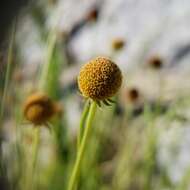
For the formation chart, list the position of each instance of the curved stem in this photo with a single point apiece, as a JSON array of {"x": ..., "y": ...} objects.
[
  {"x": 82, "y": 122},
  {"x": 35, "y": 148},
  {"x": 8, "y": 72},
  {"x": 80, "y": 154},
  {"x": 46, "y": 67}
]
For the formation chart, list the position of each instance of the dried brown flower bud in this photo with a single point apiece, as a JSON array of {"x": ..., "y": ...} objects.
[{"x": 39, "y": 108}]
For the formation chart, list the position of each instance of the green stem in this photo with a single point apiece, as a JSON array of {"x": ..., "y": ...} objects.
[
  {"x": 8, "y": 71},
  {"x": 35, "y": 147},
  {"x": 81, "y": 150},
  {"x": 32, "y": 167},
  {"x": 45, "y": 71},
  {"x": 150, "y": 151},
  {"x": 82, "y": 122}
]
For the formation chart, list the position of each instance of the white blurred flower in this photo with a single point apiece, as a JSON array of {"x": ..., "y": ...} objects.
[{"x": 174, "y": 152}]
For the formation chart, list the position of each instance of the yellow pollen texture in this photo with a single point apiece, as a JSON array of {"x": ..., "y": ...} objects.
[{"x": 99, "y": 79}]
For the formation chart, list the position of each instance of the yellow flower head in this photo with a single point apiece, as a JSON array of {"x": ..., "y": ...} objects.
[
  {"x": 99, "y": 79},
  {"x": 39, "y": 108}
]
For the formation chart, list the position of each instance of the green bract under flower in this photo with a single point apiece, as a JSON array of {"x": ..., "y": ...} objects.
[{"x": 99, "y": 79}]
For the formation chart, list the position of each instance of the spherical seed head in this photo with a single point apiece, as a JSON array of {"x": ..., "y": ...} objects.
[
  {"x": 99, "y": 79},
  {"x": 38, "y": 108}
]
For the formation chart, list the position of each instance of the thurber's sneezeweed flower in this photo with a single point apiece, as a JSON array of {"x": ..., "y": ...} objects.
[
  {"x": 155, "y": 62},
  {"x": 39, "y": 108},
  {"x": 99, "y": 79},
  {"x": 118, "y": 44}
]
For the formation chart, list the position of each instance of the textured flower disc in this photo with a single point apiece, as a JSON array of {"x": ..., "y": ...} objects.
[
  {"x": 38, "y": 108},
  {"x": 99, "y": 79}
]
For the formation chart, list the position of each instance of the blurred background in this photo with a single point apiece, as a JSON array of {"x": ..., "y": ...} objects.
[{"x": 139, "y": 143}]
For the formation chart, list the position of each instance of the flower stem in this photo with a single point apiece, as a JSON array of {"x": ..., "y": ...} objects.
[
  {"x": 82, "y": 122},
  {"x": 83, "y": 144},
  {"x": 35, "y": 148},
  {"x": 8, "y": 72},
  {"x": 45, "y": 70}
]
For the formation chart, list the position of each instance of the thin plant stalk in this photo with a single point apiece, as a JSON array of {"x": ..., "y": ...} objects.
[
  {"x": 76, "y": 169},
  {"x": 82, "y": 122},
  {"x": 150, "y": 147},
  {"x": 35, "y": 148},
  {"x": 42, "y": 86},
  {"x": 45, "y": 71},
  {"x": 8, "y": 71},
  {"x": 82, "y": 126},
  {"x": 7, "y": 77}
]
